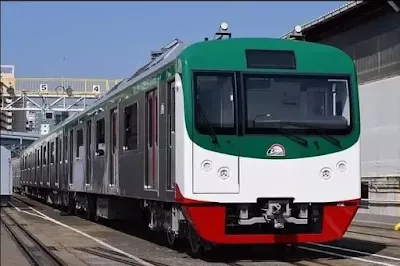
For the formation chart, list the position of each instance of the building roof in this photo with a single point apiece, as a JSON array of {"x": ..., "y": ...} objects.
[
  {"x": 329, "y": 16},
  {"x": 349, "y": 14}
]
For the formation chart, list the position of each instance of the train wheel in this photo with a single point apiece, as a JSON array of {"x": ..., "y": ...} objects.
[
  {"x": 89, "y": 215},
  {"x": 196, "y": 244}
]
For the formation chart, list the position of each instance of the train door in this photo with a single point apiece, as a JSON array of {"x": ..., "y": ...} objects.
[
  {"x": 57, "y": 162},
  {"x": 151, "y": 182},
  {"x": 64, "y": 159},
  {"x": 49, "y": 161},
  {"x": 88, "y": 161},
  {"x": 171, "y": 135},
  {"x": 38, "y": 166},
  {"x": 114, "y": 146},
  {"x": 71, "y": 157}
]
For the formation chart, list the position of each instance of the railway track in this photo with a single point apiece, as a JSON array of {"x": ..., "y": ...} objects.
[
  {"x": 116, "y": 253},
  {"x": 34, "y": 250}
]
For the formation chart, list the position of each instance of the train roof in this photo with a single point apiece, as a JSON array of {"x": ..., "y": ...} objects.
[
  {"x": 164, "y": 57},
  {"x": 160, "y": 59}
]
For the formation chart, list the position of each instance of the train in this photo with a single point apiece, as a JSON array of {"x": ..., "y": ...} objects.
[{"x": 226, "y": 141}]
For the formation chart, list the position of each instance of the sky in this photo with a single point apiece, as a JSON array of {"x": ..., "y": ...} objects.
[{"x": 114, "y": 39}]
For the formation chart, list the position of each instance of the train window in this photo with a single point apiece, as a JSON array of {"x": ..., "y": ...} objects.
[
  {"x": 65, "y": 146},
  {"x": 44, "y": 155},
  {"x": 275, "y": 101},
  {"x": 79, "y": 141},
  {"x": 131, "y": 127},
  {"x": 214, "y": 103},
  {"x": 52, "y": 153},
  {"x": 58, "y": 150},
  {"x": 150, "y": 121},
  {"x": 114, "y": 129},
  {"x": 100, "y": 137},
  {"x": 38, "y": 157}
]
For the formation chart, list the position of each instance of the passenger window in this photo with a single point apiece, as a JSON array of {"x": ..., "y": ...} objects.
[
  {"x": 100, "y": 137},
  {"x": 79, "y": 142},
  {"x": 150, "y": 121},
  {"x": 44, "y": 155},
  {"x": 52, "y": 154},
  {"x": 131, "y": 127}
]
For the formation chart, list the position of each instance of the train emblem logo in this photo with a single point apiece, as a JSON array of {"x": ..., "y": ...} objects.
[{"x": 276, "y": 150}]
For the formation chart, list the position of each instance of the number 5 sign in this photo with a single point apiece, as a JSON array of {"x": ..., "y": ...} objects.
[{"x": 43, "y": 87}]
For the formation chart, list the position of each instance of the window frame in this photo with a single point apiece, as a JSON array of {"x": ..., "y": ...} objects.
[
  {"x": 96, "y": 125},
  {"x": 236, "y": 106},
  {"x": 132, "y": 105},
  {"x": 302, "y": 131}
]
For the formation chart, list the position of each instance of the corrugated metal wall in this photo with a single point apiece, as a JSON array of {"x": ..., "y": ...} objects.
[{"x": 374, "y": 46}]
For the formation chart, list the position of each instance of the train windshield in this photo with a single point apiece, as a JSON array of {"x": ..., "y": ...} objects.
[
  {"x": 214, "y": 101},
  {"x": 296, "y": 102}
]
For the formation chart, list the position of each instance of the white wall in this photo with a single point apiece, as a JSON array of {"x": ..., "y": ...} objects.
[
  {"x": 380, "y": 128},
  {"x": 380, "y": 144},
  {"x": 6, "y": 174}
]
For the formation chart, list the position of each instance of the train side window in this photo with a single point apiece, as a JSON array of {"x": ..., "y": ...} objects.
[
  {"x": 58, "y": 150},
  {"x": 38, "y": 157},
  {"x": 131, "y": 127},
  {"x": 65, "y": 147},
  {"x": 100, "y": 137},
  {"x": 52, "y": 153},
  {"x": 150, "y": 122},
  {"x": 44, "y": 155},
  {"x": 79, "y": 141}
]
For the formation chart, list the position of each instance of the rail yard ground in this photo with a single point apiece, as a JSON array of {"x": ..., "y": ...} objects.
[{"x": 76, "y": 241}]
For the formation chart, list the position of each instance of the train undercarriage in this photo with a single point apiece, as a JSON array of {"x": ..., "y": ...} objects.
[{"x": 270, "y": 221}]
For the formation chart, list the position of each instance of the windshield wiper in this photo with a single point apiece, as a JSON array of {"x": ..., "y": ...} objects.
[
  {"x": 207, "y": 124},
  {"x": 293, "y": 137},
  {"x": 319, "y": 130},
  {"x": 285, "y": 133}
]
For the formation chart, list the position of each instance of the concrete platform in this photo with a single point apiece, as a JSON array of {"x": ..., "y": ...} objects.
[{"x": 11, "y": 254}]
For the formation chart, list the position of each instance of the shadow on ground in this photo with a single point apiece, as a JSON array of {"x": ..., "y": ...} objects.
[{"x": 232, "y": 254}]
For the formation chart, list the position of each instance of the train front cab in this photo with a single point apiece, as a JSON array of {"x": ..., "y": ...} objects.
[{"x": 268, "y": 155}]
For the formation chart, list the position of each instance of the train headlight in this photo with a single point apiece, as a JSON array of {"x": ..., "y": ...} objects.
[
  {"x": 224, "y": 26},
  {"x": 341, "y": 166},
  {"x": 206, "y": 165},
  {"x": 298, "y": 28},
  {"x": 223, "y": 173},
  {"x": 326, "y": 173}
]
